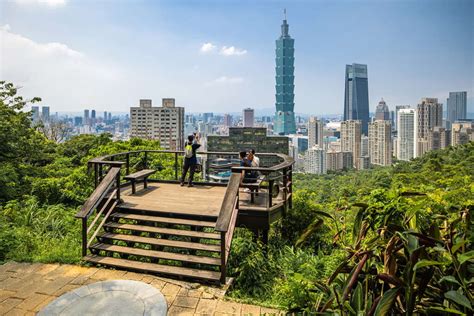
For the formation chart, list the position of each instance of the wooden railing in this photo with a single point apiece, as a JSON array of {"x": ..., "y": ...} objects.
[
  {"x": 110, "y": 184},
  {"x": 227, "y": 218}
]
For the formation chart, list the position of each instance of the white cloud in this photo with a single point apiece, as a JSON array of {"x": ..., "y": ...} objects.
[
  {"x": 207, "y": 47},
  {"x": 224, "y": 80},
  {"x": 60, "y": 75},
  {"x": 232, "y": 51},
  {"x": 50, "y": 3}
]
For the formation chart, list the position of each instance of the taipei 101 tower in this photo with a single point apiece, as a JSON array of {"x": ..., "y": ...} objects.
[{"x": 285, "y": 83}]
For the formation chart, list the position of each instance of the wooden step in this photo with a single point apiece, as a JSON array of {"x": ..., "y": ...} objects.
[
  {"x": 157, "y": 254},
  {"x": 154, "y": 268},
  {"x": 165, "y": 231},
  {"x": 163, "y": 242},
  {"x": 168, "y": 220},
  {"x": 129, "y": 207}
]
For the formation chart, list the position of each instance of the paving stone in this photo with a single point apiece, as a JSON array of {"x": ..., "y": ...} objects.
[
  {"x": 106, "y": 274},
  {"x": 206, "y": 306},
  {"x": 18, "y": 312},
  {"x": 250, "y": 310},
  {"x": 170, "y": 289},
  {"x": 48, "y": 300},
  {"x": 184, "y": 301},
  {"x": 31, "y": 302},
  {"x": 190, "y": 293},
  {"x": 148, "y": 278},
  {"x": 181, "y": 311},
  {"x": 207, "y": 295},
  {"x": 270, "y": 311},
  {"x": 133, "y": 276},
  {"x": 5, "y": 294},
  {"x": 170, "y": 299},
  {"x": 9, "y": 304},
  {"x": 65, "y": 289},
  {"x": 86, "y": 275},
  {"x": 11, "y": 284},
  {"x": 50, "y": 287},
  {"x": 47, "y": 268},
  {"x": 159, "y": 284},
  {"x": 228, "y": 307},
  {"x": 23, "y": 270},
  {"x": 5, "y": 275},
  {"x": 6, "y": 266}
]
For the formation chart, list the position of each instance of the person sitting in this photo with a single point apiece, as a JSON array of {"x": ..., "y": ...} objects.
[
  {"x": 248, "y": 176},
  {"x": 255, "y": 159},
  {"x": 190, "y": 159}
]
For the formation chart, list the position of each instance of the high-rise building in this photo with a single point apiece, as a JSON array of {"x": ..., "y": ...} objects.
[
  {"x": 315, "y": 132},
  {"x": 351, "y": 139},
  {"x": 248, "y": 117},
  {"x": 356, "y": 95},
  {"x": 105, "y": 115},
  {"x": 382, "y": 113},
  {"x": 380, "y": 143},
  {"x": 364, "y": 146},
  {"x": 45, "y": 116},
  {"x": 407, "y": 134},
  {"x": 430, "y": 114},
  {"x": 77, "y": 121},
  {"x": 207, "y": 117},
  {"x": 462, "y": 132},
  {"x": 164, "y": 123},
  {"x": 227, "y": 120},
  {"x": 315, "y": 160},
  {"x": 456, "y": 107},
  {"x": 398, "y": 108},
  {"x": 86, "y": 120},
  {"x": 285, "y": 83},
  {"x": 439, "y": 138},
  {"x": 339, "y": 160},
  {"x": 93, "y": 117},
  {"x": 35, "y": 113},
  {"x": 110, "y": 116}
]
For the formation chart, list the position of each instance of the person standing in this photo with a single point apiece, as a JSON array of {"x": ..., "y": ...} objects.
[{"x": 190, "y": 159}]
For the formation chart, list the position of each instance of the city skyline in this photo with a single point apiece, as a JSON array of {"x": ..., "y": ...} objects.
[{"x": 227, "y": 60}]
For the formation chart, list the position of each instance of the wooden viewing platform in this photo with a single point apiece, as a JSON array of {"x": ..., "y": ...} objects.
[{"x": 183, "y": 232}]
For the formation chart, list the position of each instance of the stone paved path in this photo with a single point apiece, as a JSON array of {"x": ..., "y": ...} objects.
[{"x": 25, "y": 288}]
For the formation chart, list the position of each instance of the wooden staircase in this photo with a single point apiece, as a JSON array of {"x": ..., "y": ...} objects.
[{"x": 178, "y": 247}]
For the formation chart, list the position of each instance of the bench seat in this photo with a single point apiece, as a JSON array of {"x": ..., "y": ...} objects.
[{"x": 142, "y": 174}]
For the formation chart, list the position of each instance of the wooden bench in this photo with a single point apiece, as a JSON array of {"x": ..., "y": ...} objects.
[
  {"x": 254, "y": 187},
  {"x": 142, "y": 174}
]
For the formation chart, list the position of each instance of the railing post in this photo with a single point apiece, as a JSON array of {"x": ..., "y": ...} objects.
[
  {"x": 96, "y": 175},
  {"x": 118, "y": 186},
  {"x": 223, "y": 256},
  {"x": 127, "y": 164},
  {"x": 270, "y": 193},
  {"x": 100, "y": 172},
  {"x": 176, "y": 165},
  {"x": 290, "y": 201},
  {"x": 285, "y": 187},
  {"x": 84, "y": 236}
]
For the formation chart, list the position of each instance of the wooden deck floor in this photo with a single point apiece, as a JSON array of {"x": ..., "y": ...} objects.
[{"x": 198, "y": 200}]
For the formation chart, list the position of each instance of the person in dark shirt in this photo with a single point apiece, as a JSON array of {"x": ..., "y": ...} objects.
[
  {"x": 190, "y": 159},
  {"x": 248, "y": 175}
]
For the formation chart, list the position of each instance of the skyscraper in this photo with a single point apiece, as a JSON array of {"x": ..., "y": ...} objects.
[
  {"x": 227, "y": 120},
  {"x": 439, "y": 138},
  {"x": 45, "y": 114},
  {"x": 380, "y": 143},
  {"x": 315, "y": 160},
  {"x": 430, "y": 114},
  {"x": 356, "y": 95},
  {"x": 457, "y": 107},
  {"x": 382, "y": 113},
  {"x": 351, "y": 139},
  {"x": 86, "y": 117},
  {"x": 462, "y": 132},
  {"x": 398, "y": 108},
  {"x": 35, "y": 113},
  {"x": 315, "y": 132},
  {"x": 407, "y": 123},
  {"x": 248, "y": 117},
  {"x": 284, "y": 83}
]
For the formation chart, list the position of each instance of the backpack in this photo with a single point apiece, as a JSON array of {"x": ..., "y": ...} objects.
[{"x": 188, "y": 150}]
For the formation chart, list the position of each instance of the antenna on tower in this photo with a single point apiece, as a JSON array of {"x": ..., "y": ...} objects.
[{"x": 284, "y": 12}]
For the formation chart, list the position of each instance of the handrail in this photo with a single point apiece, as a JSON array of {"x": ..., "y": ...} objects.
[
  {"x": 93, "y": 202},
  {"x": 99, "y": 193},
  {"x": 225, "y": 214},
  {"x": 227, "y": 219}
]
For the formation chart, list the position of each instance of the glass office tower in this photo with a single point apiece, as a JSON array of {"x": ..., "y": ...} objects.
[
  {"x": 457, "y": 107},
  {"x": 284, "y": 122},
  {"x": 356, "y": 96}
]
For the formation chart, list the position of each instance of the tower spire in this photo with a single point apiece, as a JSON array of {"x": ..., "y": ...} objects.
[{"x": 284, "y": 12}]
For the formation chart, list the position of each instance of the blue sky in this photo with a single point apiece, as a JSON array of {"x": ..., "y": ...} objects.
[{"x": 108, "y": 54}]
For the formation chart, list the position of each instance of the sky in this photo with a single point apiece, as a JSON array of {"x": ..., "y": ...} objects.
[{"x": 219, "y": 56}]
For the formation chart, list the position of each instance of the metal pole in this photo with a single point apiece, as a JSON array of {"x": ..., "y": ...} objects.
[{"x": 128, "y": 164}]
